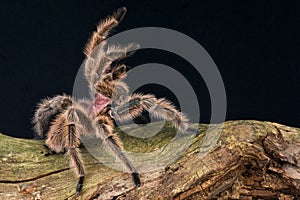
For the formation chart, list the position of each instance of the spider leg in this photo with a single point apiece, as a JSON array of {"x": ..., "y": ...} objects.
[
  {"x": 110, "y": 67},
  {"x": 103, "y": 61},
  {"x": 113, "y": 144},
  {"x": 110, "y": 84},
  {"x": 94, "y": 49},
  {"x": 64, "y": 135},
  {"x": 159, "y": 108},
  {"x": 46, "y": 111},
  {"x": 103, "y": 30},
  {"x": 114, "y": 68}
]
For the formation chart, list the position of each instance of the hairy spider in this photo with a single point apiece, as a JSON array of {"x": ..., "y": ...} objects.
[{"x": 62, "y": 120}]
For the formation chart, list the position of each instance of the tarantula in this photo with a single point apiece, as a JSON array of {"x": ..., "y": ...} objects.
[{"x": 62, "y": 119}]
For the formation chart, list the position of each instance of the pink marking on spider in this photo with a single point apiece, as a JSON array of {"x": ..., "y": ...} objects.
[{"x": 99, "y": 103}]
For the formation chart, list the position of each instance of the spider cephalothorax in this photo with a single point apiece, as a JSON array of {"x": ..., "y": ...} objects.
[{"x": 104, "y": 71}]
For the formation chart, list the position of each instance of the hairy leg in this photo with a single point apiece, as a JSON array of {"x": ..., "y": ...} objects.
[
  {"x": 64, "y": 135},
  {"x": 104, "y": 63},
  {"x": 107, "y": 75},
  {"x": 103, "y": 30},
  {"x": 159, "y": 108},
  {"x": 96, "y": 57},
  {"x": 115, "y": 56},
  {"x": 46, "y": 111},
  {"x": 114, "y": 145}
]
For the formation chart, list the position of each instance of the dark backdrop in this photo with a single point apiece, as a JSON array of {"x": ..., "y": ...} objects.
[{"x": 255, "y": 45}]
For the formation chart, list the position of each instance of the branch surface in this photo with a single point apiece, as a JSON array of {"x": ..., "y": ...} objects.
[{"x": 249, "y": 160}]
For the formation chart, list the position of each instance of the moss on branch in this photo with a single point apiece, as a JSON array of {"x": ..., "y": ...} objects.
[{"x": 250, "y": 159}]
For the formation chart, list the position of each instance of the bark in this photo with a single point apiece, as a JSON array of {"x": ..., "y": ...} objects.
[{"x": 249, "y": 160}]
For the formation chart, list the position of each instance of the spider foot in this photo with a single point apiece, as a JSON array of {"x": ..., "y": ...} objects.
[
  {"x": 136, "y": 179},
  {"x": 79, "y": 185}
]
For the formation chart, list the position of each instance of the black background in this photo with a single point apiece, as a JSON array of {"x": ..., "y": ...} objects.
[{"x": 255, "y": 45}]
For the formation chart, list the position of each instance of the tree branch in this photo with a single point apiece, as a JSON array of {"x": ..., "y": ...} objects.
[{"x": 250, "y": 159}]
